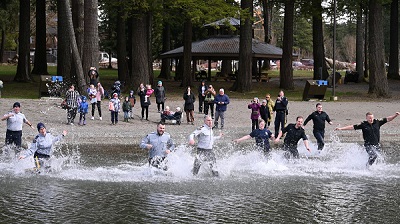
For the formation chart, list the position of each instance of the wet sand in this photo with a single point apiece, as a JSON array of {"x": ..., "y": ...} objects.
[{"x": 237, "y": 121}]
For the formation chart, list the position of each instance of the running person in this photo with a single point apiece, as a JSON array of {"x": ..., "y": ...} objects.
[
  {"x": 42, "y": 146},
  {"x": 371, "y": 133},
  {"x": 261, "y": 135},
  {"x": 205, "y": 145},
  {"x": 294, "y": 132},
  {"x": 159, "y": 144},
  {"x": 319, "y": 117}
]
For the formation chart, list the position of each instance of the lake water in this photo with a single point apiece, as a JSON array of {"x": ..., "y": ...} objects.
[{"x": 109, "y": 184}]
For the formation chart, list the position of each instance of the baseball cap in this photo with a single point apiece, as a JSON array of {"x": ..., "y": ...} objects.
[
  {"x": 40, "y": 125},
  {"x": 16, "y": 104}
]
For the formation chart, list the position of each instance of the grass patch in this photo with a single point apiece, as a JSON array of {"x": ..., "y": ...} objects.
[{"x": 30, "y": 90}]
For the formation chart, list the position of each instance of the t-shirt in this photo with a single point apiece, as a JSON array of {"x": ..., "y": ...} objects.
[
  {"x": 293, "y": 135},
  {"x": 262, "y": 138},
  {"x": 371, "y": 131}
]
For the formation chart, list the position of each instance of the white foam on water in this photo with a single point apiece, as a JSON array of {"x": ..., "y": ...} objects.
[{"x": 233, "y": 162}]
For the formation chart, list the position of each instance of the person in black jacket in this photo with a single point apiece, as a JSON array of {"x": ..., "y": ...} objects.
[
  {"x": 201, "y": 90},
  {"x": 371, "y": 134},
  {"x": 189, "y": 98},
  {"x": 281, "y": 111},
  {"x": 319, "y": 117},
  {"x": 294, "y": 132},
  {"x": 264, "y": 112}
]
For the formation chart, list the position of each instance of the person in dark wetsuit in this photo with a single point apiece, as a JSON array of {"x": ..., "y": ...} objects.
[
  {"x": 370, "y": 129},
  {"x": 294, "y": 132},
  {"x": 261, "y": 135},
  {"x": 319, "y": 117}
]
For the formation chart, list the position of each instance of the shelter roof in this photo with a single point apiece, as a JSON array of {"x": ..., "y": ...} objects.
[
  {"x": 223, "y": 22},
  {"x": 225, "y": 47}
]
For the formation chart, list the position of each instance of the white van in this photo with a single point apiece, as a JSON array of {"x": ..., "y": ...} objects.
[{"x": 105, "y": 57}]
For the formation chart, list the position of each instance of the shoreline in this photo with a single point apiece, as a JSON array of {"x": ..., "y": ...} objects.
[{"x": 237, "y": 122}]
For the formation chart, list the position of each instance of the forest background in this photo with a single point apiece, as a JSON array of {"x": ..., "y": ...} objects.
[{"x": 137, "y": 32}]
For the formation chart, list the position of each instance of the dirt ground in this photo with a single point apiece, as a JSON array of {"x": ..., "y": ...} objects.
[{"x": 237, "y": 122}]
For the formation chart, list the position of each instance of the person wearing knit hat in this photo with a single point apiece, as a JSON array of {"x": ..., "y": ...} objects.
[
  {"x": 15, "y": 120},
  {"x": 159, "y": 92},
  {"x": 42, "y": 146}
]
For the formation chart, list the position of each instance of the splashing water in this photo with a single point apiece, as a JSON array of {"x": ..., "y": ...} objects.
[{"x": 337, "y": 159}]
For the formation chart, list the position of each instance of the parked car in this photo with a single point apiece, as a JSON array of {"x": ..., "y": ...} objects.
[{"x": 105, "y": 57}]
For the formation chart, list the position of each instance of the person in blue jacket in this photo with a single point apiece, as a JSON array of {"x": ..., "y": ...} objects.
[
  {"x": 42, "y": 146},
  {"x": 221, "y": 101}
]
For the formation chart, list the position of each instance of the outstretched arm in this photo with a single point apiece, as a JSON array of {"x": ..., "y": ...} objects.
[
  {"x": 242, "y": 138},
  {"x": 390, "y": 118},
  {"x": 350, "y": 127}
]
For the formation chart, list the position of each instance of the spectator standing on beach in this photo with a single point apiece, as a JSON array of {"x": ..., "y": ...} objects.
[
  {"x": 371, "y": 134},
  {"x": 159, "y": 92},
  {"x": 144, "y": 103},
  {"x": 72, "y": 97},
  {"x": 99, "y": 96},
  {"x": 42, "y": 146},
  {"x": 93, "y": 76},
  {"x": 294, "y": 132},
  {"x": 15, "y": 120},
  {"x": 202, "y": 95},
  {"x": 132, "y": 101},
  {"x": 189, "y": 99},
  {"x": 92, "y": 98},
  {"x": 159, "y": 144},
  {"x": 221, "y": 101},
  {"x": 264, "y": 112},
  {"x": 281, "y": 110},
  {"x": 205, "y": 152},
  {"x": 262, "y": 137},
  {"x": 319, "y": 117},
  {"x": 255, "y": 112},
  {"x": 209, "y": 101},
  {"x": 271, "y": 105},
  {"x": 126, "y": 107},
  {"x": 114, "y": 107},
  {"x": 83, "y": 110}
]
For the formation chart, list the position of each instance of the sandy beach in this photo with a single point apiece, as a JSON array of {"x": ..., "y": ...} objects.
[{"x": 237, "y": 122}]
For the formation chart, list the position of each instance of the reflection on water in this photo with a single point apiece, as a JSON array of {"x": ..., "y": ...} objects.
[{"x": 115, "y": 184}]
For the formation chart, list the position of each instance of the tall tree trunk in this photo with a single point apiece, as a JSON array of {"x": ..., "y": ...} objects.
[
  {"x": 78, "y": 22},
  {"x": 91, "y": 36},
  {"x": 23, "y": 68},
  {"x": 318, "y": 42},
  {"x": 378, "y": 83},
  {"x": 393, "y": 71},
  {"x": 149, "y": 23},
  {"x": 360, "y": 43},
  {"x": 244, "y": 76},
  {"x": 64, "y": 58},
  {"x": 76, "y": 59},
  {"x": 40, "y": 62},
  {"x": 286, "y": 73},
  {"x": 366, "y": 50},
  {"x": 121, "y": 46},
  {"x": 187, "y": 79},
  {"x": 267, "y": 15},
  {"x": 166, "y": 46},
  {"x": 140, "y": 57},
  {"x": 2, "y": 44}
]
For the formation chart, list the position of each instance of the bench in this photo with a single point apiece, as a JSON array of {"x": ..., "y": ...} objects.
[
  {"x": 201, "y": 75},
  {"x": 224, "y": 76}
]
